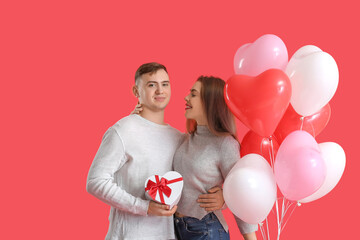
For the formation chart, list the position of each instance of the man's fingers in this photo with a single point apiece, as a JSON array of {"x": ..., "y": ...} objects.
[
  {"x": 165, "y": 212},
  {"x": 165, "y": 207},
  {"x": 173, "y": 210},
  {"x": 214, "y": 189},
  {"x": 211, "y": 209},
  {"x": 207, "y": 196}
]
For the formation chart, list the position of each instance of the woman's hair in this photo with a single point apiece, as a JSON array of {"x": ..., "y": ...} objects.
[{"x": 220, "y": 120}]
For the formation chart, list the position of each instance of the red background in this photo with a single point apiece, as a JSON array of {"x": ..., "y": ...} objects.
[{"x": 66, "y": 73}]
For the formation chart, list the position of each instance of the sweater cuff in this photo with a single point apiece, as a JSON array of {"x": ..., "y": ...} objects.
[{"x": 142, "y": 207}]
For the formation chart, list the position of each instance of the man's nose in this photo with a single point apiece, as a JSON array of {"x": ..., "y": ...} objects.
[{"x": 159, "y": 89}]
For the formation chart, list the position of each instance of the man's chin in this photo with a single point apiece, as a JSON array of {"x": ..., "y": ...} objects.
[{"x": 158, "y": 108}]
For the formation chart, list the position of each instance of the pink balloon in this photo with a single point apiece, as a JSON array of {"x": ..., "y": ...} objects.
[
  {"x": 299, "y": 167},
  {"x": 267, "y": 52}
]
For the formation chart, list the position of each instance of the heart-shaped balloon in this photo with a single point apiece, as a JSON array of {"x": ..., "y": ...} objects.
[
  {"x": 299, "y": 167},
  {"x": 259, "y": 102},
  {"x": 334, "y": 157},
  {"x": 253, "y": 143},
  {"x": 314, "y": 78},
  {"x": 292, "y": 121},
  {"x": 267, "y": 52}
]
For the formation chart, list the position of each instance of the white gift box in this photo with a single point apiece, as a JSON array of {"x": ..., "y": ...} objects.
[{"x": 164, "y": 189}]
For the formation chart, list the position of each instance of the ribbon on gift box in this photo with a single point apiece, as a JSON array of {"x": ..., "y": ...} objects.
[{"x": 161, "y": 186}]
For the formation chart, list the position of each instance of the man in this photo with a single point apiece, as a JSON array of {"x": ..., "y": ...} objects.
[{"x": 135, "y": 148}]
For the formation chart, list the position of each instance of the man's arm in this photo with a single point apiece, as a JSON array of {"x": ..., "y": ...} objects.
[
  {"x": 100, "y": 182},
  {"x": 213, "y": 200}
]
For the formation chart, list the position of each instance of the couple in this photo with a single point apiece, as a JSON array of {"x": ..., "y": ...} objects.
[{"x": 141, "y": 145}]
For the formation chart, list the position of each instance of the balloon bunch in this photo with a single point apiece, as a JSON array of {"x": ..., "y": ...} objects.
[{"x": 285, "y": 104}]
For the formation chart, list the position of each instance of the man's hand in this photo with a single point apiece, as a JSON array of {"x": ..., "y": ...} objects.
[
  {"x": 160, "y": 209},
  {"x": 212, "y": 201}
]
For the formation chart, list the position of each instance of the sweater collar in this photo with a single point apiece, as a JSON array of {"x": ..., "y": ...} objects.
[{"x": 203, "y": 130}]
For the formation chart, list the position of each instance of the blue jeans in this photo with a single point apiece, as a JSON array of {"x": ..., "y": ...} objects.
[{"x": 209, "y": 227}]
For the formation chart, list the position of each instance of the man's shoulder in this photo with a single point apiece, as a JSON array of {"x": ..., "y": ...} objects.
[
  {"x": 127, "y": 122},
  {"x": 175, "y": 131}
]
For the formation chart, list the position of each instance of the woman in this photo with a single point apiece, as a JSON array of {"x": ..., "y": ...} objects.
[
  {"x": 206, "y": 156},
  {"x": 204, "y": 159}
]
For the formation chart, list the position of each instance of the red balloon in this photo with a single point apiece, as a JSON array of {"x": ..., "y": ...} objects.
[
  {"x": 253, "y": 143},
  {"x": 259, "y": 102},
  {"x": 313, "y": 124}
]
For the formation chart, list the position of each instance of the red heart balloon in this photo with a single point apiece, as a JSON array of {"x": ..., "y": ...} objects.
[
  {"x": 313, "y": 124},
  {"x": 259, "y": 102},
  {"x": 253, "y": 143}
]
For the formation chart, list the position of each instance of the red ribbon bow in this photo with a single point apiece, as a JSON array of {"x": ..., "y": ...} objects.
[{"x": 161, "y": 186}]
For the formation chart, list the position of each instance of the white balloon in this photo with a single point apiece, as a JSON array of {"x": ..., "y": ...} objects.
[
  {"x": 250, "y": 189},
  {"x": 334, "y": 157},
  {"x": 314, "y": 78}
]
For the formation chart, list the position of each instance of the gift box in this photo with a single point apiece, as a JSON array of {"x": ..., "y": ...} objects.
[{"x": 164, "y": 189}]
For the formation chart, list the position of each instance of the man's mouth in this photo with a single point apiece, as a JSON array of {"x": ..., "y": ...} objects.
[{"x": 160, "y": 99}]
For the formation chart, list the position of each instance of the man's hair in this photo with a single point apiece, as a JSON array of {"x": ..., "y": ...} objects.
[
  {"x": 219, "y": 117},
  {"x": 151, "y": 68}
]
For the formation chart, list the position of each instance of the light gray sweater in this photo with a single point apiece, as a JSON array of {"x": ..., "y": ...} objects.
[
  {"x": 131, "y": 151},
  {"x": 204, "y": 160}
]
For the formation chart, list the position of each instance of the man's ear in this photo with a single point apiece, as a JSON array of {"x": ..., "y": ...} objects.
[{"x": 135, "y": 91}]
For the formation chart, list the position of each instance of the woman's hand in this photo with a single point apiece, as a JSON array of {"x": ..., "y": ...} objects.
[
  {"x": 137, "y": 109},
  {"x": 213, "y": 200}
]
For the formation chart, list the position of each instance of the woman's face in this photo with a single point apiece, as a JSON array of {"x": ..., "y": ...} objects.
[{"x": 194, "y": 108}]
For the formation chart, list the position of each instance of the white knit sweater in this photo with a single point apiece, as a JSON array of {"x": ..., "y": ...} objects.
[{"x": 131, "y": 151}]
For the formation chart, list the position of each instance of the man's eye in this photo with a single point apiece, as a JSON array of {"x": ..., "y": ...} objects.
[
  {"x": 193, "y": 95},
  {"x": 151, "y": 85},
  {"x": 165, "y": 84}
]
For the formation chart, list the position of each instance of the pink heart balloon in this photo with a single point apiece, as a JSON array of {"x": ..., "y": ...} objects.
[
  {"x": 267, "y": 52},
  {"x": 299, "y": 167}
]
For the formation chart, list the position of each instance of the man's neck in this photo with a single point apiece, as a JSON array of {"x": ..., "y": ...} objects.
[{"x": 156, "y": 117}]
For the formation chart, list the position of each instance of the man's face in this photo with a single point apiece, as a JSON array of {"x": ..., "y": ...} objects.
[{"x": 154, "y": 90}]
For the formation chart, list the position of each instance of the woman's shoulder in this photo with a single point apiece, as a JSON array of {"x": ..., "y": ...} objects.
[{"x": 228, "y": 142}]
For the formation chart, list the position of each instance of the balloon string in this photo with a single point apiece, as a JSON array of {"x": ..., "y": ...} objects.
[
  {"x": 302, "y": 123},
  {"x": 282, "y": 216},
  {"x": 313, "y": 129},
  {"x": 267, "y": 226},
  {"x": 262, "y": 231},
  {"x": 261, "y": 147},
  {"x": 277, "y": 219},
  {"x": 271, "y": 153},
  {"x": 289, "y": 215}
]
